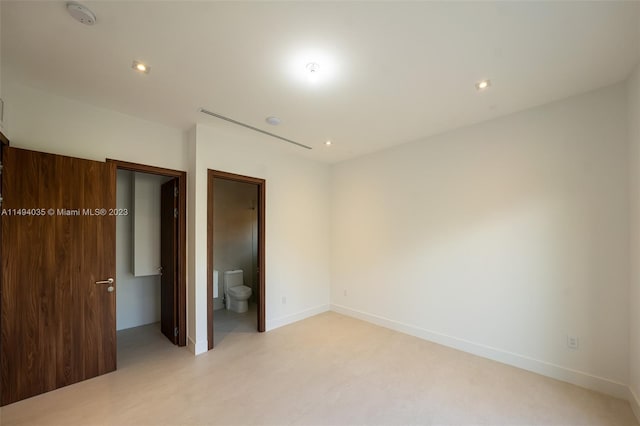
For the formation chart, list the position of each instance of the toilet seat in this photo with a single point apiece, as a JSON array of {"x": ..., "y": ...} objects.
[{"x": 240, "y": 292}]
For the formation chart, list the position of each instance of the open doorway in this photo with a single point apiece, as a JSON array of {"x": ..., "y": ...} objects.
[
  {"x": 235, "y": 254},
  {"x": 150, "y": 258}
]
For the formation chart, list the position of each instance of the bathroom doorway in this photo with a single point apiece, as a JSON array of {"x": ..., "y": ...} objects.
[{"x": 235, "y": 254}]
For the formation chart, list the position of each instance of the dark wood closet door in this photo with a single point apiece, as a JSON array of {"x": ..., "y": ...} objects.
[
  {"x": 169, "y": 260},
  {"x": 58, "y": 324}
]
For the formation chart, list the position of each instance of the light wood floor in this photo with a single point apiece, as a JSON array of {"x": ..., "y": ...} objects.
[{"x": 326, "y": 370}]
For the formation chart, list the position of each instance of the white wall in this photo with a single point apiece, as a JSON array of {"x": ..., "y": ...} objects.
[
  {"x": 500, "y": 239},
  {"x": 297, "y": 221},
  {"x": 2, "y": 90},
  {"x": 44, "y": 122},
  {"x": 2, "y": 96},
  {"x": 146, "y": 223},
  {"x": 194, "y": 292},
  {"x": 137, "y": 298},
  {"x": 634, "y": 296}
]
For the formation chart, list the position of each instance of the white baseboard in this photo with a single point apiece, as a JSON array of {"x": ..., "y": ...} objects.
[
  {"x": 579, "y": 378},
  {"x": 288, "y": 319},
  {"x": 197, "y": 348},
  {"x": 634, "y": 400}
]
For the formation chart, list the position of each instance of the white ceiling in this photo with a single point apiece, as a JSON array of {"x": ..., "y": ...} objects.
[{"x": 392, "y": 72}]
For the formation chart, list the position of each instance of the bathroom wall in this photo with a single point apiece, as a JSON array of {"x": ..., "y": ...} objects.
[
  {"x": 235, "y": 243},
  {"x": 500, "y": 239}
]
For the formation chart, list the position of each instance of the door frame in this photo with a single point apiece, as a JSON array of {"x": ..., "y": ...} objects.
[
  {"x": 4, "y": 141},
  {"x": 261, "y": 184},
  {"x": 182, "y": 234}
]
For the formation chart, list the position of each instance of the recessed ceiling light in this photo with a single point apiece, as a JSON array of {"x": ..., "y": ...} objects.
[
  {"x": 274, "y": 121},
  {"x": 483, "y": 84},
  {"x": 328, "y": 143},
  {"x": 140, "y": 67}
]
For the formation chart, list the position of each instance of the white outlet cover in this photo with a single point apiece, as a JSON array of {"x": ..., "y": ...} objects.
[{"x": 573, "y": 342}]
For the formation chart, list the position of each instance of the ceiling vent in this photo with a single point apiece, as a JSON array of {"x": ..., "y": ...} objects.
[
  {"x": 81, "y": 13},
  {"x": 255, "y": 129}
]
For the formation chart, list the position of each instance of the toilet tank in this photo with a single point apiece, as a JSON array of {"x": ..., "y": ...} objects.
[{"x": 233, "y": 278}]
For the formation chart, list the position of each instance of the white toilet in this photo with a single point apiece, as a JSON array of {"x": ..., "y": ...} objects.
[{"x": 236, "y": 294}]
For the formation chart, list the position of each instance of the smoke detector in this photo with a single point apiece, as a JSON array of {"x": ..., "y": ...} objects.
[
  {"x": 273, "y": 120},
  {"x": 81, "y": 13}
]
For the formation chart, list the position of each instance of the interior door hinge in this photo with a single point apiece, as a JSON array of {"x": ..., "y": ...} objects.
[
  {"x": 0, "y": 167},
  {"x": 175, "y": 191},
  {"x": 175, "y": 331},
  {"x": 175, "y": 212}
]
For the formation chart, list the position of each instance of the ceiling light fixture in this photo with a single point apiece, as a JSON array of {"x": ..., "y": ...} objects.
[
  {"x": 328, "y": 143},
  {"x": 483, "y": 84},
  {"x": 140, "y": 67},
  {"x": 313, "y": 69},
  {"x": 273, "y": 120},
  {"x": 81, "y": 13}
]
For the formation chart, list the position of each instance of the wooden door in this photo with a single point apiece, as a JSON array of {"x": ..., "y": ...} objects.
[
  {"x": 169, "y": 260},
  {"x": 58, "y": 325}
]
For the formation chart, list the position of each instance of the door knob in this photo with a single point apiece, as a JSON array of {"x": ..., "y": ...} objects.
[{"x": 107, "y": 281}]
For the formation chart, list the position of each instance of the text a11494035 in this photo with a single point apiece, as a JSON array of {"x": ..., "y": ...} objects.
[{"x": 43, "y": 211}]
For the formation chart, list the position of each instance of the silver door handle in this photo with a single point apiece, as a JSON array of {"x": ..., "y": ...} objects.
[{"x": 109, "y": 281}]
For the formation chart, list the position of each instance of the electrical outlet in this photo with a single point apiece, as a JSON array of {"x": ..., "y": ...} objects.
[
  {"x": 572, "y": 342},
  {"x": 284, "y": 300}
]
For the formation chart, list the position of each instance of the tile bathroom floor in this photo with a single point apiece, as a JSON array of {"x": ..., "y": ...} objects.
[{"x": 226, "y": 322}]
